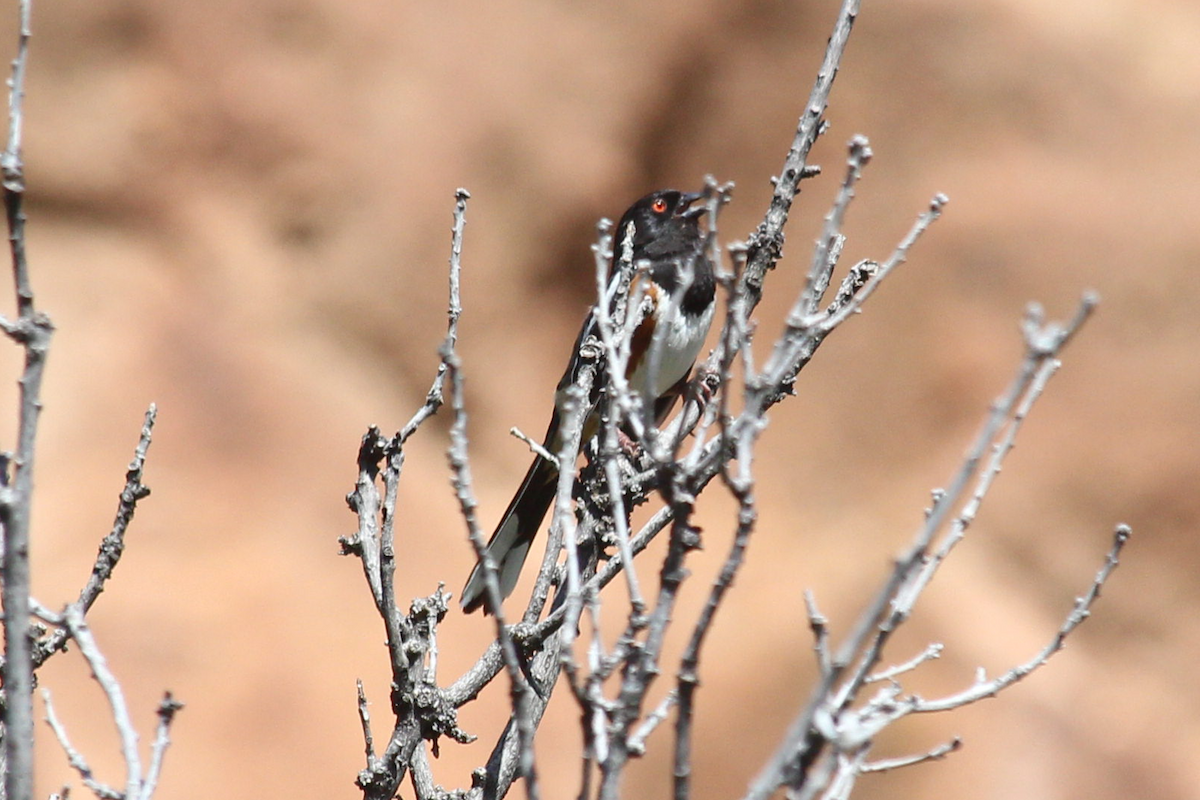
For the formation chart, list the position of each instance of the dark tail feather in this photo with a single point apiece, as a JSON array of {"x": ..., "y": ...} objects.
[{"x": 509, "y": 545}]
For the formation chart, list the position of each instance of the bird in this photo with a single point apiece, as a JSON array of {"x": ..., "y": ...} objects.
[{"x": 675, "y": 279}]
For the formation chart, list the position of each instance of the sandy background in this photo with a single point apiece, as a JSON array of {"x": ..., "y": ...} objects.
[{"x": 241, "y": 212}]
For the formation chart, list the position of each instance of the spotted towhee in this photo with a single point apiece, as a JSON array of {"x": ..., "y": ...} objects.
[{"x": 674, "y": 278}]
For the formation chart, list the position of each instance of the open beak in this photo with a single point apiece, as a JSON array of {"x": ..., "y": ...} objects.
[{"x": 685, "y": 203}]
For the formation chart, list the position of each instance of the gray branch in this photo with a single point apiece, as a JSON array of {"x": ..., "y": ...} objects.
[
  {"x": 32, "y": 330},
  {"x": 113, "y": 544},
  {"x": 140, "y": 784}
]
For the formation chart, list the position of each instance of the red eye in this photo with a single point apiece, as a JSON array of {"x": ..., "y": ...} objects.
[{"x": 659, "y": 206}]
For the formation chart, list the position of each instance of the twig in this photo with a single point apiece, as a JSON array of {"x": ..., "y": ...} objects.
[
  {"x": 460, "y": 466},
  {"x": 162, "y": 740},
  {"x": 82, "y": 634},
  {"x": 741, "y": 486},
  {"x": 984, "y": 688},
  {"x": 765, "y": 246},
  {"x": 574, "y": 409},
  {"x": 364, "y": 718},
  {"x": 928, "y": 654},
  {"x": 1043, "y": 342},
  {"x": 421, "y": 710},
  {"x": 819, "y": 626},
  {"x": 74, "y": 757},
  {"x": 459, "y": 457},
  {"x": 848, "y": 766},
  {"x": 637, "y": 740},
  {"x": 621, "y": 403},
  {"x": 829, "y": 321},
  {"x": 874, "y": 628},
  {"x": 851, "y": 730},
  {"x": 136, "y": 788},
  {"x": 1004, "y": 444},
  {"x": 113, "y": 544},
  {"x": 936, "y": 754},
  {"x": 829, "y": 245},
  {"x": 534, "y": 445},
  {"x": 434, "y": 398},
  {"x": 915, "y": 568}
]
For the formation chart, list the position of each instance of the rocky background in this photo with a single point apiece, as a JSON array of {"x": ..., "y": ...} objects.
[{"x": 240, "y": 211}]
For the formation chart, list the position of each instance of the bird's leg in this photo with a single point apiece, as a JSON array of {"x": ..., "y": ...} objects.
[{"x": 703, "y": 386}]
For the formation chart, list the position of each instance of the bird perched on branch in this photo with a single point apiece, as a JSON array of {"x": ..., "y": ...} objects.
[{"x": 674, "y": 278}]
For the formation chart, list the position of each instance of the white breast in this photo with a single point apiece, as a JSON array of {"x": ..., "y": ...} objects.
[{"x": 678, "y": 345}]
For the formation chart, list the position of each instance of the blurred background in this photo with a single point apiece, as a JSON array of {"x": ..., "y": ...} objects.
[{"x": 241, "y": 212}]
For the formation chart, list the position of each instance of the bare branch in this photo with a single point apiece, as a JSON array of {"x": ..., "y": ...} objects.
[
  {"x": 113, "y": 545},
  {"x": 931, "y": 214},
  {"x": 136, "y": 787},
  {"x": 936, "y": 754},
  {"x": 915, "y": 569},
  {"x": 82, "y": 634},
  {"x": 622, "y": 403},
  {"x": 985, "y": 688},
  {"x": 874, "y": 628},
  {"x": 574, "y": 409},
  {"x": 421, "y": 709},
  {"x": 637, "y": 740},
  {"x": 434, "y": 399},
  {"x": 364, "y": 717},
  {"x": 819, "y": 626},
  {"x": 829, "y": 245},
  {"x": 32, "y": 330},
  {"x": 460, "y": 464},
  {"x": 765, "y": 246},
  {"x": 742, "y": 487},
  {"x": 534, "y": 445},
  {"x": 162, "y": 740},
  {"x": 928, "y": 654},
  {"x": 74, "y": 757}
]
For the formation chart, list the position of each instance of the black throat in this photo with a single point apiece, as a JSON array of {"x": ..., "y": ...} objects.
[{"x": 699, "y": 294}]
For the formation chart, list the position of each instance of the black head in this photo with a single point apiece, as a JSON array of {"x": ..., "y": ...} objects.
[{"x": 665, "y": 223}]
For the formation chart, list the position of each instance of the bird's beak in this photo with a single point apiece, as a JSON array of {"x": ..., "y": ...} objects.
[{"x": 685, "y": 203}]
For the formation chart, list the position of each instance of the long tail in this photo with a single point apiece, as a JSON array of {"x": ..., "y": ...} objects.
[{"x": 509, "y": 545}]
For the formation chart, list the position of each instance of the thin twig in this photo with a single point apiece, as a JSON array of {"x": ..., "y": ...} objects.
[
  {"x": 875, "y": 627},
  {"x": 915, "y": 564},
  {"x": 434, "y": 399},
  {"x": 364, "y": 718},
  {"x": 621, "y": 401},
  {"x": 162, "y": 740},
  {"x": 534, "y": 445},
  {"x": 829, "y": 245},
  {"x": 936, "y": 754},
  {"x": 765, "y": 245},
  {"x": 984, "y": 688},
  {"x": 460, "y": 466},
  {"x": 741, "y": 485},
  {"x": 82, "y": 634},
  {"x": 420, "y": 708},
  {"x": 819, "y": 625},
  {"x": 930, "y": 653},
  {"x": 575, "y": 408},
  {"x": 74, "y": 757},
  {"x": 459, "y": 458},
  {"x": 1002, "y": 446},
  {"x": 113, "y": 545},
  {"x": 637, "y": 740}
]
